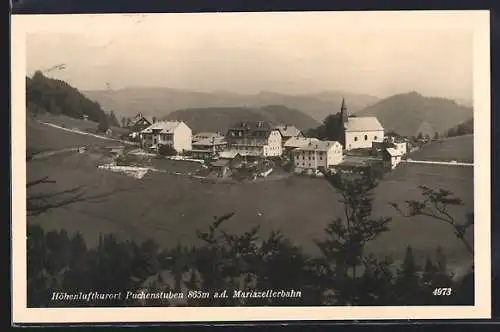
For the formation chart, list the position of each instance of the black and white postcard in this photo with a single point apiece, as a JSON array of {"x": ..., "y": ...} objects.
[{"x": 251, "y": 166}]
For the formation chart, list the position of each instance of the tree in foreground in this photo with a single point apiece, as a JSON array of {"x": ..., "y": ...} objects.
[{"x": 346, "y": 238}]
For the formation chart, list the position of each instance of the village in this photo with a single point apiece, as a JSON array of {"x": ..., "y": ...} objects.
[{"x": 256, "y": 149}]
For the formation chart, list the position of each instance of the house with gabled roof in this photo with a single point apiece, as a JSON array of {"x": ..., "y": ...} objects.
[
  {"x": 288, "y": 131},
  {"x": 391, "y": 157},
  {"x": 173, "y": 133},
  {"x": 139, "y": 123}
]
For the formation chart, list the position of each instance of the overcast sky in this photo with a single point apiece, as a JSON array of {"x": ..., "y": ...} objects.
[{"x": 246, "y": 54}]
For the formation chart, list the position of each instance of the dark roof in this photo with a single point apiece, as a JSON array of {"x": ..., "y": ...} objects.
[
  {"x": 252, "y": 128},
  {"x": 253, "y": 125}
]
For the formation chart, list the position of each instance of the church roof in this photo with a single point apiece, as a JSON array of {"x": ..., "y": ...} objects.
[{"x": 365, "y": 123}]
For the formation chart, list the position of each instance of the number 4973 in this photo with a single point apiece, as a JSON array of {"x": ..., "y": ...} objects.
[{"x": 442, "y": 292}]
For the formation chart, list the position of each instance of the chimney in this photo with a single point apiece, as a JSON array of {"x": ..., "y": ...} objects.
[{"x": 286, "y": 127}]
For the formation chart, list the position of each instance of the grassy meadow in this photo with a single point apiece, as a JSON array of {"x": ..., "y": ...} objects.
[
  {"x": 460, "y": 148},
  {"x": 170, "y": 208}
]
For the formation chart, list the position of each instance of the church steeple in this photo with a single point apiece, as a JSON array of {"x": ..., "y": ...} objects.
[{"x": 343, "y": 112}]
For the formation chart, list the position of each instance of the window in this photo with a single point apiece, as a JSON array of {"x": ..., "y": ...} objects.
[
  {"x": 366, "y": 137},
  {"x": 355, "y": 138},
  {"x": 374, "y": 137}
]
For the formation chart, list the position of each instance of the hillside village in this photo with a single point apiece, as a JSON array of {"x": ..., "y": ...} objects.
[
  {"x": 259, "y": 146},
  {"x": 249, "y": 143}
]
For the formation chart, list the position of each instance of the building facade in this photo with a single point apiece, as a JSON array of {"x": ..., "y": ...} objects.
[
  {"x": 259, "y": 139},
  {"x": 172, "y": 133},
  {"x": 316, "y": 155}
]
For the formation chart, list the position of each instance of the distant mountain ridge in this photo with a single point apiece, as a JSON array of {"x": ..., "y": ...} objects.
[
  {"x": 160, "y": 102},
  {"x": 410, "y": 113},
  {"x": 220, "y": 119}
]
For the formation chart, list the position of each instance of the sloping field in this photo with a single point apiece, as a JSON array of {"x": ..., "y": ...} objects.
[
  {"x": 46, "y": 138},
  {"x": 459, "y": 148},
  {"x": 171, "y": 208}
]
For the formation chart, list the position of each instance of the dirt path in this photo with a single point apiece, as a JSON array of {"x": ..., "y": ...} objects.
[
  {"x": 76, "y": 131},
  {"x": 47, "y": 154}
]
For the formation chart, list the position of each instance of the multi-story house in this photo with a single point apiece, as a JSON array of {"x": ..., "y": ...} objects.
[
  {"x": 258, "y": 138},
  {"x": 296, "y": 142},
  {"x": 316, "y": 155},
  {"x": 173, "y": 133}
]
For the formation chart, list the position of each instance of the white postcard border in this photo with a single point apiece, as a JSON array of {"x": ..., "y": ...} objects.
[{"x": 478, "y": 21}]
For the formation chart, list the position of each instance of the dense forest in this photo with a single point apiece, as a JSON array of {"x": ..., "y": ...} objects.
[
  {"x": 343, "y": 273},
  {"x": 411, "y": 113},
  {"x": 464, "y": 128},
  {"x": 44, "y": 94}
]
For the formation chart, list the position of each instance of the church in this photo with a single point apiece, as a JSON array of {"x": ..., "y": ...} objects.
[{"x": 358, "y": 132}]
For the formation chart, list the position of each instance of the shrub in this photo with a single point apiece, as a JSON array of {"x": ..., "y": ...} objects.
[{"x": 166, "y": 150}]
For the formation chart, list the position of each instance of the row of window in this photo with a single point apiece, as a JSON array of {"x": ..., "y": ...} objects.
[
  {"x": 310, "y": 158},
  {"x": 366, "y": 138}
]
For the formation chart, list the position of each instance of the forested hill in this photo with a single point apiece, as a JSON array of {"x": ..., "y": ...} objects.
[
  {"x": 222, "y": 118},
  {"x": 411, "y": 114},
  {"x": 44, "y": 94}
]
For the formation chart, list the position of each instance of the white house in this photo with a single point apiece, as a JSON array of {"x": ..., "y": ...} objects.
[
  {"x": 174, "y": 133},
  {"x": 401, "y": 147},
  {"x": 391, "y": 157},
  {"x": 316, "y": 155},
  {"x": 359, "y": 132},
  {"x": 258, "y": 138}
]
